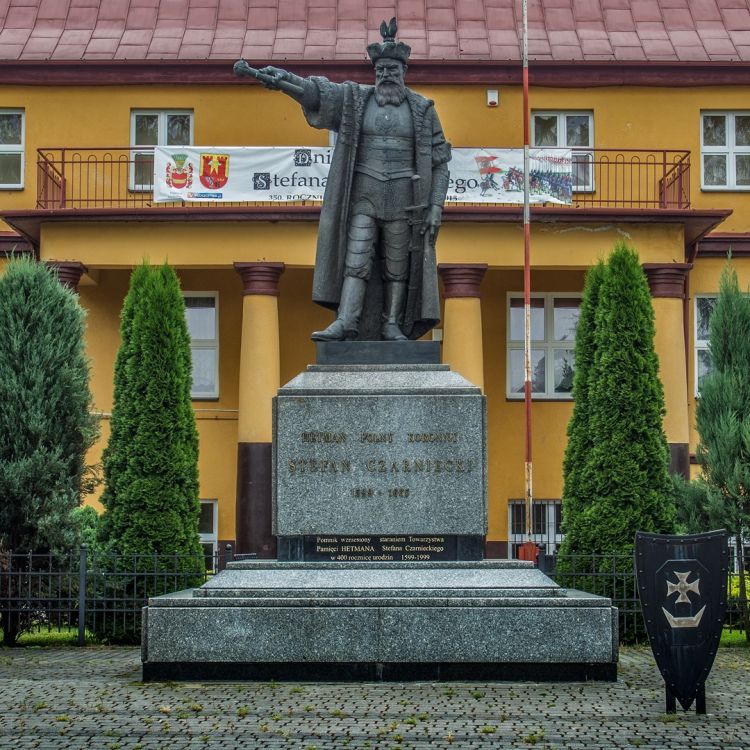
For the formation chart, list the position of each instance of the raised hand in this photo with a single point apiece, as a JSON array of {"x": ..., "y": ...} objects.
[{"x": 271, "y": 77}]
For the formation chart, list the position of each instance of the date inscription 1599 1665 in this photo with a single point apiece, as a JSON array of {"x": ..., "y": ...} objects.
[{"x": 361, "y": 492}]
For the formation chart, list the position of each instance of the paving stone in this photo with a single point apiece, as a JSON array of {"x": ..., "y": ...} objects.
[{"x": 55, "y": 699}]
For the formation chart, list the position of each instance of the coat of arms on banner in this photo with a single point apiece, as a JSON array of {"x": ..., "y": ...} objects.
[
  {"x": 178, "y": 175},
  {"x": 214, "y": 170},
  {"x": 682, "y": 582}
]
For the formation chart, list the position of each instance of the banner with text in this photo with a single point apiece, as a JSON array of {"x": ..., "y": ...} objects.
[{"x": 283, "y": 173}]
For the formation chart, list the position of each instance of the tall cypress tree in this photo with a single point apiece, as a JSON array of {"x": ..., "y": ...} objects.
[
  {"x": 630, "y": 457},
  {"x": 617, "y": 468},
  {"x": 723, "y": 422},
  {"x": 151, "y": 504},
  {"x": 46, "y": 424},
  {"x": 575, "y": 490},
  {"x": 622, "y": 476},
  {"x": 122, "y": 424}
]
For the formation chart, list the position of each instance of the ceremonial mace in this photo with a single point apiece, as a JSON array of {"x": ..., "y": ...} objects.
[{"x": 241, "y": 68}]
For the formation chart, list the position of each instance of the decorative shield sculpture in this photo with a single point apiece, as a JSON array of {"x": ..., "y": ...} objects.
[{"x": 682, "y": 583}]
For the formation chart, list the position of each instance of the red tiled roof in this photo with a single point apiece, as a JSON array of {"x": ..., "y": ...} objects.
[{"x": 559, "y": 30}]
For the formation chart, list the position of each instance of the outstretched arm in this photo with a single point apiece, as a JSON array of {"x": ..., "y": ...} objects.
[{"x": 278, "y": 79}]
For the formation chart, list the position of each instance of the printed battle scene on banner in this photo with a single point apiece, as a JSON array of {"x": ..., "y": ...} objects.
[
  {"x": 496, "y": 176},
  {"x": 283, "y": 174}
]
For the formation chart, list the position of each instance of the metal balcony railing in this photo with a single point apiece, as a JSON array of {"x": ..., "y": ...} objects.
[{"x": 83, "y": 178}]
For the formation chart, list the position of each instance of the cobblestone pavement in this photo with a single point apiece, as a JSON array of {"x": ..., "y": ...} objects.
[{"x": 93, "y": 698}]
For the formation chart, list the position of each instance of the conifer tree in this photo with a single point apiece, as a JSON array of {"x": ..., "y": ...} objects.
[
  {"x": 46, "y": 422},
  {"x": 575, "y": 490},
  {"x": 723, "y": 422},
  {"x": 151, "y": 502},
  {"x": 622, "y": 475},
  {"x": 121, "y": 424}
]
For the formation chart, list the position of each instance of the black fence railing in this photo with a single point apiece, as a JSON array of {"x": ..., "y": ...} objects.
[
  {"x": 103, "y": 594},
  {"x": 122, "y": 177},
  {"x": 606, "y": 575},
  {"x": 614, "y": 576},
  {"x": 91, "y": 591}
]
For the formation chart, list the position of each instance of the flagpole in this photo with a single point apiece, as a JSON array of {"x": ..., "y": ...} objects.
[{"x": 528, "y": 474}]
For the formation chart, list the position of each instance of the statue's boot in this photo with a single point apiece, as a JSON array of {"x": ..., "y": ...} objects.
[
  {"x": 346, "y": 324},
  {"x": 395, "y": 296}
]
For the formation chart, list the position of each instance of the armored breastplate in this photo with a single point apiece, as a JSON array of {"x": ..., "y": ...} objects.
[{"x": 386, "y": 147}]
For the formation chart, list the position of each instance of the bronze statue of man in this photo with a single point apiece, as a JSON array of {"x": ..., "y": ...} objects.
[{"x": 375, "y": 262}]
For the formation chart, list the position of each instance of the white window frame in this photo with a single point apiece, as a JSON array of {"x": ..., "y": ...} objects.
[
  {"x": 13, "y": 148},
  {"x": 212, "y": 538},
  {"x": 207, "y": 344},
  {"x": 550, "y": 539},
  {"x": 161, "y": 138},
  {"x": 699, "y": 344},
  {"x": 729, "y": 149},
  {"x": 586, "y": 153},
  {"x": 548, "y": 345}
]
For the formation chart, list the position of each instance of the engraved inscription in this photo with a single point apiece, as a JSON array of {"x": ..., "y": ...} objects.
[
  {"x": 432, "y": 437},
  {"x": 314, "y": 465},
  {"x": 404, "y": 464},
  {"x": 379, "y": 548},
  {"x": 323, "y": 437},
  {"x": 376, "y": 437},
  {"x": 427, "y": 465}
]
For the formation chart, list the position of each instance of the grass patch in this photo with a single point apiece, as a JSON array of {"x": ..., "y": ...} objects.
[
  {"x": 733, "y": 638},
  {"x": 52, "y": 638}
]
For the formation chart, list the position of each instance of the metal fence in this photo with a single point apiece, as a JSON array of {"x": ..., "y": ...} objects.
[
  {"x": 606, "y": 575},
  {"x": 93, "y": 591},
  {"x": 614, "y": 576},
  {"x": 122, "y": 177},
  {"x": 103, "y": 594}
]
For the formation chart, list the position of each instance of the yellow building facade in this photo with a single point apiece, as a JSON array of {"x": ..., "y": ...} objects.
[{"x": 651, "y": 138}]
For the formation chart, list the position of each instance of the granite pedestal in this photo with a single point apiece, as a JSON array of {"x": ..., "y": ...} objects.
[
  {"x": 380, "y": 512},
  {"x": 380, "y": 621},
  {"x": 366, "y": 453}
]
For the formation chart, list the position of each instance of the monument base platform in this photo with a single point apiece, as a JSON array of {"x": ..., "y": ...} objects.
[
  {"x": 375, "y": 672},
  {"x": 489, "y": 620}
]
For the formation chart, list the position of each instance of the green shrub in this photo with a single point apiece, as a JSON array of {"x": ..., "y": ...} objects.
[
  {"x": 616, "y": 471},
  {"x": 151, "y": 461}
]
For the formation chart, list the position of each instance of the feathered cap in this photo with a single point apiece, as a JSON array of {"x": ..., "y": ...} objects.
[{"x": 390, "y": 47}]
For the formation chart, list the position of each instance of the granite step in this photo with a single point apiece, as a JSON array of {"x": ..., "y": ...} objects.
[{"x": 395, "y": 581}]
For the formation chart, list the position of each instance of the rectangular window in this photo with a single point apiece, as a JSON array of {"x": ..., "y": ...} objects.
[
  {"x": 725, "y": 150},
  {"x": 208, "y": 530},
  {"x": 545, "y": 525},
  {"x": 553, "y": 329},
  {"x": 12, "y": 128},
  {"x": 573, "y": 130},
  {"x": 704, "y": 306},
  {"x": 149, "y": 128},
  {"x": 202, "y": 313}
]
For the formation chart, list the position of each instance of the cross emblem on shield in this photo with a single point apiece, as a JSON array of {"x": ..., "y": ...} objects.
[{"x": 682, "y": 588}]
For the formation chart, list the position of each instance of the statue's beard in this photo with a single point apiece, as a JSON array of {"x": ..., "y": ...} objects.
[{"x": 389, "y": 93}]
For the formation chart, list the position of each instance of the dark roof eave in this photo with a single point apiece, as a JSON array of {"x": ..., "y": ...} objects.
[
  {"x": 13, "y": 244},
  {"x": 721, "y": 244},
  {"x": 552, "y": 73},
  {"x": 697, "y": 222}
]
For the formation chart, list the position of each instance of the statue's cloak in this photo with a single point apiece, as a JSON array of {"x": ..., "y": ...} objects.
[{"x": 341, "y": 109}]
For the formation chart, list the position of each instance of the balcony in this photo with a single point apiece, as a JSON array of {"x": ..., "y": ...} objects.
[{"x": 103, "y": 178}]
